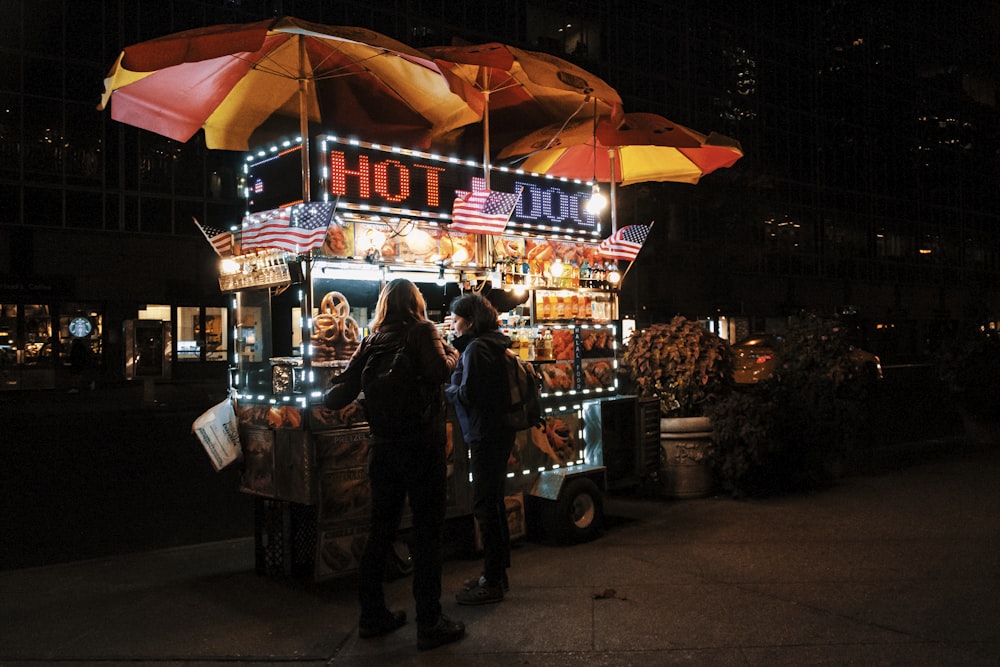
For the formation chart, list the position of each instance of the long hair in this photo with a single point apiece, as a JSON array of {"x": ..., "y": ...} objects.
[
  {"x": 478, "y": 310},
  {"x": 399, "y": 302}
]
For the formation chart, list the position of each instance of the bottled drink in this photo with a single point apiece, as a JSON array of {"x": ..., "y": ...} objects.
[
  {"x": 540, "y": 346},
  {"x": 525, "y": 348},
  {"x": 585, "y": 274},
  {"x": 597, "y": 276}
]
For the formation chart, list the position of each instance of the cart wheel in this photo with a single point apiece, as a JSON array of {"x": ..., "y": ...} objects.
[{"x": 577, "y": 515}]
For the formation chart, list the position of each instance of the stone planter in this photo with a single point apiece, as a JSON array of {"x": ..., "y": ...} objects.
[{"x": 687, "y": 467}]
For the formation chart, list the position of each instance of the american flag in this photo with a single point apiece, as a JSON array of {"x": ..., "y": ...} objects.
[
  {"x": 221, "y": 239},
  {"x": 625, "y": 243},
  {"x": 482, "y": 211},
  {"x": 295, "y": 229}
]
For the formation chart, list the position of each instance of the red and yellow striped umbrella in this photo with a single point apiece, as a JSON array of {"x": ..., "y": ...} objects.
[
  {"x": 519, "y": 90},
  {"x": 645, "y": 147},
  {"x": 247, "y": 84}
]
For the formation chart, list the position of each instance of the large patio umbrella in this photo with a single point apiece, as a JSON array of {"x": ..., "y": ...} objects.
[
  {"x": 644, "y": 147},
  {"x": 523, "y": 90},
  {"x": 245, "y": 84}
]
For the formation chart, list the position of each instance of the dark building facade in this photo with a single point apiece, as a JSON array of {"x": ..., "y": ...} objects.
[{"x": 869, "y": 183}]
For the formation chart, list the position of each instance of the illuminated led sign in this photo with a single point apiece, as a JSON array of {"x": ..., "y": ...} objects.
[{"x": 372, "y": 179}]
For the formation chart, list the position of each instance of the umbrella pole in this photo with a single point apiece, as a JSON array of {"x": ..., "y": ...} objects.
[
  {"x": 486, "y": 139},
  {"x": 304, "y": 131},
  {"x": 614, "y": 207},
  {"x": 307, "y": 308},
  {"x": 304, "y": 126},
  {"x": 487, "y": 249}
]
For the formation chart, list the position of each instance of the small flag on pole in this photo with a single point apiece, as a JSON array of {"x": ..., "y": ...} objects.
[
  {"x": 483, "y": 211},
  {"x": 221, "y": 239},
  {"x": 625, "y": 243},
  {"x": 295, "y": 229}
]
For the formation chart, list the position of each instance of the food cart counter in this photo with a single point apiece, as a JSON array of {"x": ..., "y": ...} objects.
[{"x": 298, "y": 317}]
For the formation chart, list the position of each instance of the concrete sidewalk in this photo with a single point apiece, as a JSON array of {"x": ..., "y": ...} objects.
[{"x": 891, "y": 567}]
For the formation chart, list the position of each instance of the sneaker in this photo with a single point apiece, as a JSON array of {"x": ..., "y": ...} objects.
[
  {"x": 469, "y": 584},
  {"x": 393, "y": 620},
  {"x": 481, "y": 593},
  {"x": 444, "y": 631}
]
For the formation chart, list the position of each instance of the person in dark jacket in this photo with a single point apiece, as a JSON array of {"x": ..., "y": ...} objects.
[
  {"x": 411, "y": 466},
  {"x": 479, "y": 394}
]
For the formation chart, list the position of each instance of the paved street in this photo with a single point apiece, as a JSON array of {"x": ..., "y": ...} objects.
[
  {"x": 896, "y": 565},
  {"x": 106, "y": 472}
]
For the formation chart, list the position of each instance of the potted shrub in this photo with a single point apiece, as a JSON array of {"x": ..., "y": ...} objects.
[
  {"x": 801, "y": 427},
  {"x": 687, "y": 368}
]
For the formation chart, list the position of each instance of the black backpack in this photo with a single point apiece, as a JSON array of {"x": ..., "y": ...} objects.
[
  {"x": 397, "y": 403},
  {"x": 524, "y": 410}
]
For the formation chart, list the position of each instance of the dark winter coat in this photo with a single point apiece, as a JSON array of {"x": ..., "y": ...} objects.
[
  {"x": 426, "y": 348},
  {"x": 478, "y": 389}
]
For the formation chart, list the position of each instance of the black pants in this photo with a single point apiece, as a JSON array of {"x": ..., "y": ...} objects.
[
  {"x": 489, "y": 477},
  {"x": 398, "y": 470}
]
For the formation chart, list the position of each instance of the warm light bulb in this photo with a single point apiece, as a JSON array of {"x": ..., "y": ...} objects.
[
  {"x": 614, "y": 277},
  {"x": 597, "y": 201}
]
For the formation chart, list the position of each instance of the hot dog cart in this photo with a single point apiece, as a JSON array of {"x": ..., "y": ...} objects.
[{"x": 298, "y": 317}]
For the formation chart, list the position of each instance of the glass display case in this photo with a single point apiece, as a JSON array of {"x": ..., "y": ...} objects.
[{"x": 292, "y": 339}]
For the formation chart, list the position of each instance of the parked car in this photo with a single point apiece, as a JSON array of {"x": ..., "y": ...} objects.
[{"x": 756, "y": 357}]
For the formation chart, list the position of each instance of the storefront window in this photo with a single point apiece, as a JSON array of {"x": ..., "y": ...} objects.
[
  {"x": 189, "y": 343},
  {"x": 37, "y": 335},
  {"x": 27, "y": 360},
  {"x": 80, "y": 324},
  {"x": 8, "y": 346},
  {"x": 201, "y": 333},
  {"x": 214, "y": 332},
  {"x": 155, "y": 312}
]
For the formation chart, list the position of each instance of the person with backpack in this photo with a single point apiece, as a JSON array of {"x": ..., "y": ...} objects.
[
  {"x": 406, "y": 358},
  {"x": 481, "y": 397}
]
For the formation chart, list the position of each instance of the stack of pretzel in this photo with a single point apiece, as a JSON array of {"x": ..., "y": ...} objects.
[{"x": 335, "y": 332}]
